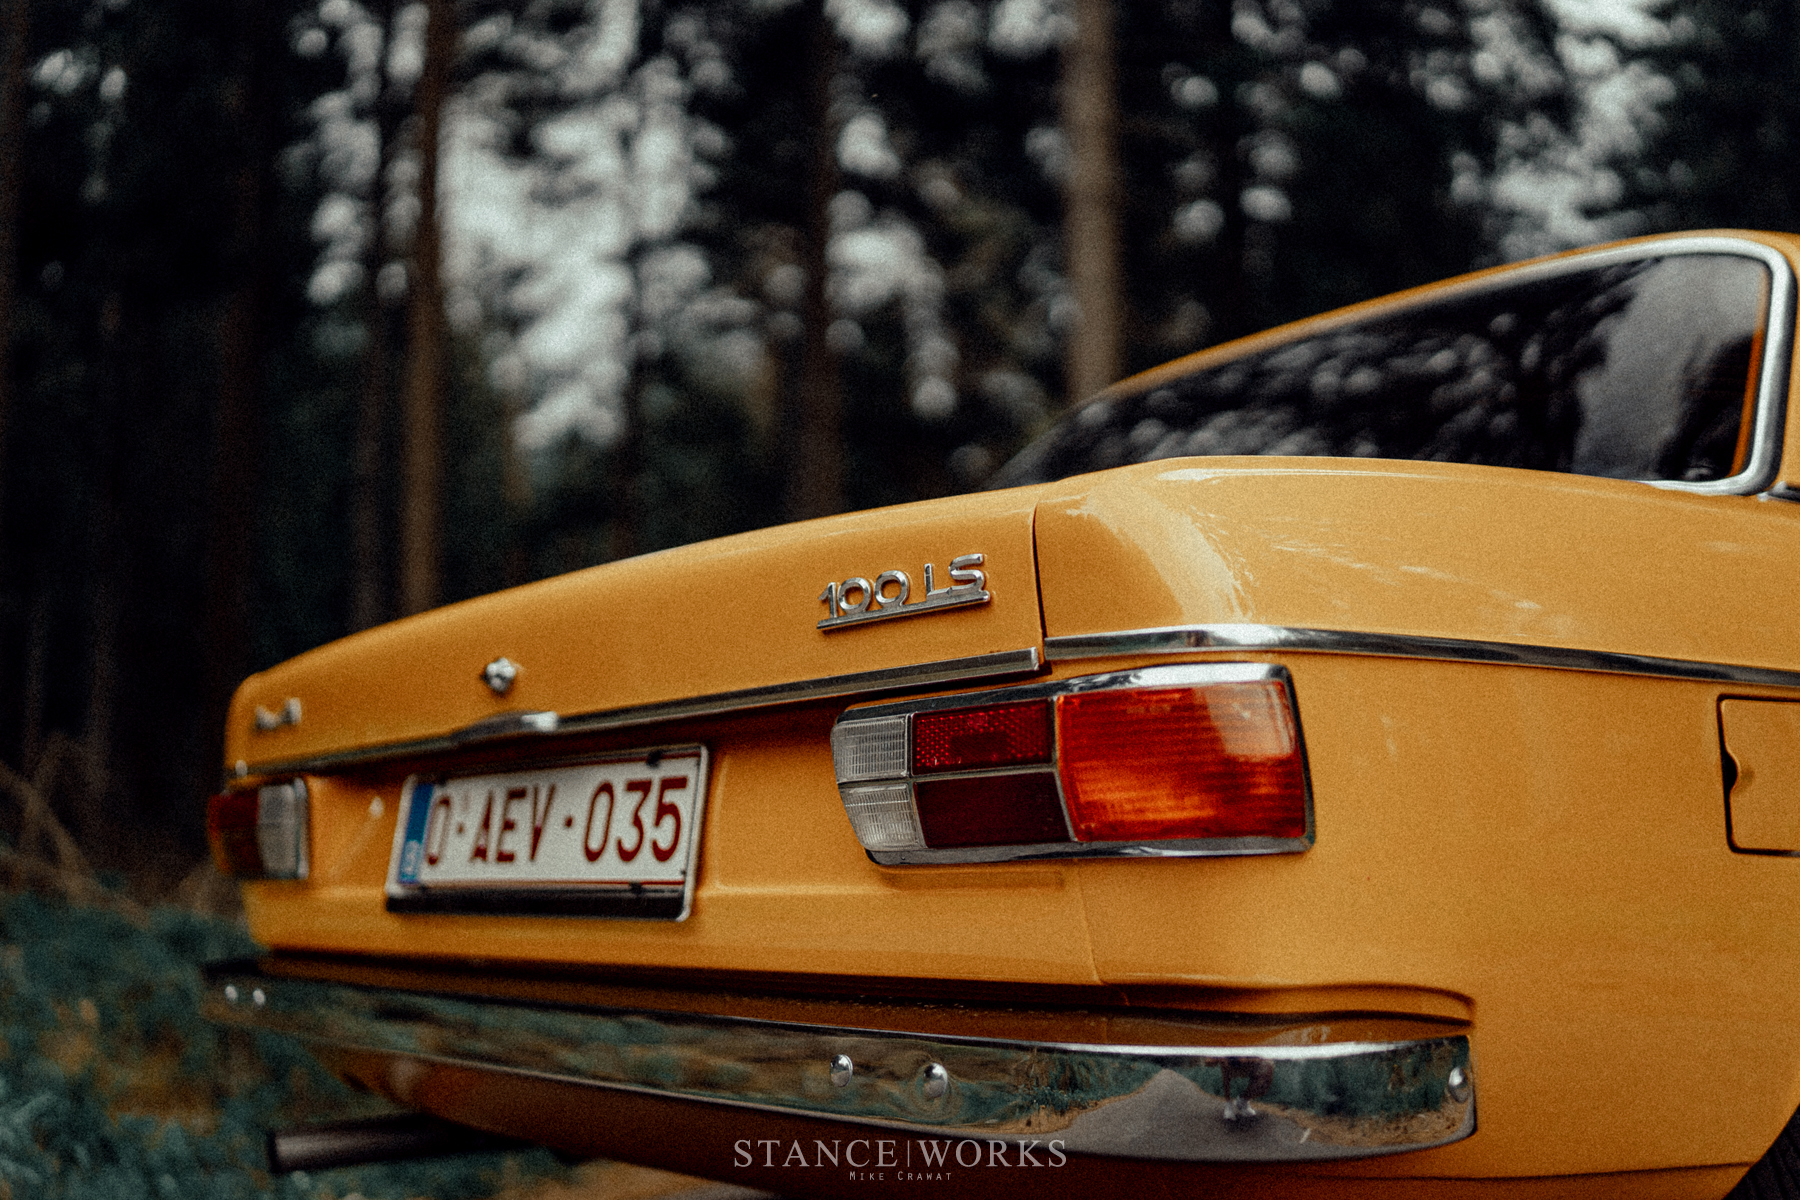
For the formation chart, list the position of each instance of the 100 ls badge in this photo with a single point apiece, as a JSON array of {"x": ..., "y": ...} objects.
[{"x": 856, "y": 600}]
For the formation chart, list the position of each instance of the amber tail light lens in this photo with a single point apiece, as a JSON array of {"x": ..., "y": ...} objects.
[
  {"x": 1157, "y": 764},
  {"x": 261, "y": 833},
  {"x": 1208, "y": 755}
]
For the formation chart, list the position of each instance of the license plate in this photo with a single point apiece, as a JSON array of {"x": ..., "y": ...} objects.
[{"x": 613, "y": 836}]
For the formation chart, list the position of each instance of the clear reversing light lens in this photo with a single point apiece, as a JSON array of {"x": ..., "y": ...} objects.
[
  {"x": 1217, "y": 760},
  {"x": 882, "y": 817},
  {"x": 993, "y": 735},
  {"x": 260, "y": 834},
  {"x": 873, "y": 749}
]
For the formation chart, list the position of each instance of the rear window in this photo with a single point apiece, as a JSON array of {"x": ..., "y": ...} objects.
[{"x": 1644, "y": 369}]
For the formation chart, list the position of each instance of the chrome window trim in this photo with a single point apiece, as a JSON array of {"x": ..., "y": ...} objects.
[
  {"x": 1768, "y": 417},
  {"x": 1188, "y": 639},
  {"x": 508, "y": 726},
  {"x": 1769, "y": 410},
  {"x": 1174, "y": 675},
  {"x": 1768, "y": 414},
  {"x": 1306, "y": 1102}
]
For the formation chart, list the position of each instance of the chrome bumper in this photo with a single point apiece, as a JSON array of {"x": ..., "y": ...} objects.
[{"x": 1221, "y": 1103}]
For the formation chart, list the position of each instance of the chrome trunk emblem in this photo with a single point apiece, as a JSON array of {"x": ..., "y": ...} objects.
[
  {"x": 499, "y": 675},
  {"x": 289, "y": 714},
  {"x": 856, "y": 600}
]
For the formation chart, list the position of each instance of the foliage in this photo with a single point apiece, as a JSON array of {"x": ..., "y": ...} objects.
[
  {"x": 1732, "y": 121},
  {"x": 112, "y": 1088}
]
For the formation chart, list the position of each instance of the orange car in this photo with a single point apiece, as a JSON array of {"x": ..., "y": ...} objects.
[{"x": 1406, "y": 803}]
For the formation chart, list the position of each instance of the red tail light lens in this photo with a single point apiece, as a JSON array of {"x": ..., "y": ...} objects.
[
  {"x": 1216, "y": 761},
  {"x": 964, "y": 739},
  {"x": 231, "y": 831},
  {"x": 261, "y": 834},
  {"x": 990, "y": 810}
]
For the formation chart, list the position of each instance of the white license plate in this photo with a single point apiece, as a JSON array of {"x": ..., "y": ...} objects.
[{"x": 616, "y": 835}]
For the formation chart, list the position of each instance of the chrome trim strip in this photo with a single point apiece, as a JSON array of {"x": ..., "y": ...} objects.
[
  {"x": 506, "y": 726},
  {"x": 1232, "y": 847},
  {"x": 1185, "y": 639},
  {"x": 1166, "y": 676},
  {"x": 1183, "y": 675},
  {"x": 1769, "y": 413},
  {"x": 1191, "y": 1103},
  {"x": 1768, "y": 422}
]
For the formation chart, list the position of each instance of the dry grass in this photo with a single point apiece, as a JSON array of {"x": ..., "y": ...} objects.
[{"x": 112, "y": 1088}]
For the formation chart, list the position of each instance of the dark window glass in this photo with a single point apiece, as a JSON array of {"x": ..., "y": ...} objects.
[{"x": 1641, "y": 370}]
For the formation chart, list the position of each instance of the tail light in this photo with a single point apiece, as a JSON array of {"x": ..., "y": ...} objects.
[
  {"x": 1199, "y": 758},
  {"x": 260, "y": 833},
  {"x": 1182, "y": 762}
]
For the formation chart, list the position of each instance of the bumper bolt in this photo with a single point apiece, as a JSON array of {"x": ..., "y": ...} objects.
[
  {"x": 841, "y": 1070},
  {"x": 1458, "y": 1085},
  {"x": 937, "y": 1080}
]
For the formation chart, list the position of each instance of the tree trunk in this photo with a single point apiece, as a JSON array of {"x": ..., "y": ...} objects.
[
  {"x": 234, "y": 469},
  {"x": 422, "y": 475},
  {"x": 371, "y": 569},
  {"x": 370, "y": 574},
  {"x": 815, "y": 485},
  {"x": 1236, "y": 315},
  {"x": 14, "y": 29},
  {"x": 36, "y": 672},
  {"x": 99, "y": 720},
  {"x": 105, "y": 573},
  {"x": 236, "y": 429},
  {"x": 1235, "y": 312},
  {"x": 628, "y": 461},
  {"x": 515, "y": 482},
  {"x": 1090, "y": 115}
]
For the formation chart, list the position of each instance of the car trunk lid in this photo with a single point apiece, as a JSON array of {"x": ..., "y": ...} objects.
[{"x": 736, "y": 620}]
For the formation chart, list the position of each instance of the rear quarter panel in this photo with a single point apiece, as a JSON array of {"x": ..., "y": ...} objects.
[{"x": 1550, "y": 844}]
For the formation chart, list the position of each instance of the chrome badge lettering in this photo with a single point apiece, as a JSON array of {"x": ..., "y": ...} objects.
[
  {"x": 287, "y": 714},
  {"x": 856, "y": 600}
]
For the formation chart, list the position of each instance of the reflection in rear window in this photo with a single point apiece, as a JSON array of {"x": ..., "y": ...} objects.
[{"x": 1640, "y": 370}]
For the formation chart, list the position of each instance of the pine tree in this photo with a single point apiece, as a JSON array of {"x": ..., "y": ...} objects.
[{"x": 1731, "y": 123}]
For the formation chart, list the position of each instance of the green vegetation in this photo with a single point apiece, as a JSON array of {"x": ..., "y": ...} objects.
[{"x": 113, "y": 1088}]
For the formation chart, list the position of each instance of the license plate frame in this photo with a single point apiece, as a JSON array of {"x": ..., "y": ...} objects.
[{"x": 453, "y": 829}]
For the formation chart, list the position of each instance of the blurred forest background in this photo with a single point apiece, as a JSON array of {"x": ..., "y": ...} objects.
[{"x": 320, "y": 312}]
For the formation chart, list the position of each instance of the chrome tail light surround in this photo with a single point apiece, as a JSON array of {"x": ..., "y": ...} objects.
[{"x": 876, "y": 755}]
